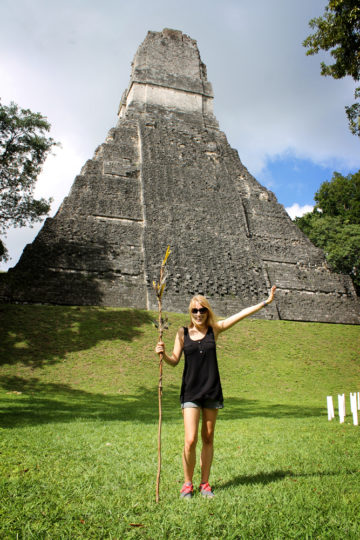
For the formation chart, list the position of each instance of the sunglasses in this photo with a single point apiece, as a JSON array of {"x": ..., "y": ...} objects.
[{"x": 202, "y": 310}]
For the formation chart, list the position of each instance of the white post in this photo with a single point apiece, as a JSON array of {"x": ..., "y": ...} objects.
[
  {"x": 352, "y": 404},
  {"x": 341, "y": 403},
  {"x": 330, "y": 407},
  {"x": 354, "y": 408},
  {"x": 358, "y": 400}
]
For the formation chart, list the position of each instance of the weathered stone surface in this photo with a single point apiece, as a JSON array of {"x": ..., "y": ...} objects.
[{"x": 167, "y": 175}]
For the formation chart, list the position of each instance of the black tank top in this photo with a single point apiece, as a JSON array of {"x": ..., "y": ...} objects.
[{"x": 201, "y": 379}]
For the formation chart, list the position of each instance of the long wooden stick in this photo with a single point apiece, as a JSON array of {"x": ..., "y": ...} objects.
[
  {"x": 160, "y": 401},
  {"x": 159, "y": 289}
]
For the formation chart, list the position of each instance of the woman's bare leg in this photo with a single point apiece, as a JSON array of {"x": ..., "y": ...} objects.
[
  {"x": 191, "y": 426},
  {"x": 207, "y": 434}
]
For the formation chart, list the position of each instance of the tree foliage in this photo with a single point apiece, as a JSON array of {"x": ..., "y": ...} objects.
[
  {"x": 340, "y": 197},
  {"x": 24, "y": 147},
  {"x": 334, "y": 224},
  {"x": 338, "y": 31}
]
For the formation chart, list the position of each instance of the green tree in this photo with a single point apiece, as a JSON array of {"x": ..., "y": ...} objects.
[
  {"x": 334, "y": 224},
  {"x": 338, "y": 31},
  {"x": 340, "y": 197},
  {"x": 24, "y": 147}
]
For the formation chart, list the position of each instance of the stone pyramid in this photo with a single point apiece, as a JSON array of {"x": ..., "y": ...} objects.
[{"x": 166, "y": 175}]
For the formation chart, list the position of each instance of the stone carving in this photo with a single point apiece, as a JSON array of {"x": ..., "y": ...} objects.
[{"x": 167, "y": 175}]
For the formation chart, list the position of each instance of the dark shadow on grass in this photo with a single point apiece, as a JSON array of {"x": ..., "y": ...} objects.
[
  {"x": 259, "y": 478},
  {"x": 31, "y": 402},
  {"x": 42, "y": 335},
  {"x": 264, "y": 478},
  {"x": 237, "y": 408}
]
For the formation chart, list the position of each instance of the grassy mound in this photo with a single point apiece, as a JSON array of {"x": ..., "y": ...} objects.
[{"x": 78, "y": 435}]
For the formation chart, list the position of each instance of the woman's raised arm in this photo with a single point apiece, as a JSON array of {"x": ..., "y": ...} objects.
[{"x": 233, "y": 319}]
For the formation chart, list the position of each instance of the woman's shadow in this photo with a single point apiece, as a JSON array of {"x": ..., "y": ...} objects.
[
  {"x": 259, "y": 478},
  {"x": 273, "y": 476}
]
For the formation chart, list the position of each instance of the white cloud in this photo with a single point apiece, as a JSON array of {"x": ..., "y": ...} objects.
[{"x": 295, "y": 210}]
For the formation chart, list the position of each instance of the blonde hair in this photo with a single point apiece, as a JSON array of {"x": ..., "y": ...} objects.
[{"x": 211, "y": 317}]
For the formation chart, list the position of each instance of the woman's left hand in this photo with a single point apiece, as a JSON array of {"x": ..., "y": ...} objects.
[{"x": 271, "y": 295}]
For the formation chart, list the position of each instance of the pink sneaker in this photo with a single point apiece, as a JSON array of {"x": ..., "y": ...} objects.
[
  {"x": 205, "y": 490},
  {"x": 187, "y": 491}
]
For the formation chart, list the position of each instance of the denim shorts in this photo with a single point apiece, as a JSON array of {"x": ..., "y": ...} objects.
[{"x": 203, "y": 404}]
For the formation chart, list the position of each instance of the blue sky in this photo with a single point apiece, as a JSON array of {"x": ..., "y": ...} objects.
[
  {"x": 71, "y": 61},
  {"x": 295, "y": 181}
]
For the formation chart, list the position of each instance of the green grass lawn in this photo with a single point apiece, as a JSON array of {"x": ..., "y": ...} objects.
[{"x": 78, "y": 431}]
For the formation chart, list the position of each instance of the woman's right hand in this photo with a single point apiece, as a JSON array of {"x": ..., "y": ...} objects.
[{"x": 160, "y": 348}]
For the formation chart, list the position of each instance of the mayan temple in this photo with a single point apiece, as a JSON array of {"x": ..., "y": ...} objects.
[{"x": 167, "y": 175}]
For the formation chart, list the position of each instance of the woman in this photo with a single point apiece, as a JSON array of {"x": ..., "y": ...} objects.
[{"x": 201, "y": 387}]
